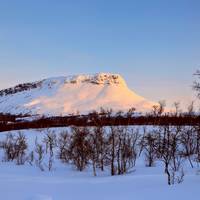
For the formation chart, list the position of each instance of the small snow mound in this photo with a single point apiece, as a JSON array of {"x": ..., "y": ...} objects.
[{"x": 40, "y": 197}]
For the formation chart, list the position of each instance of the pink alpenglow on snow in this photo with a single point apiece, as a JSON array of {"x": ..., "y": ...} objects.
[{"x": 72, "y": 94}]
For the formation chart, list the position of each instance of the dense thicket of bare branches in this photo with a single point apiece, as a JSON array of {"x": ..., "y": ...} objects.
[
  {"x": 14, "y": 147},
  {"x": 113, "y": 148}
]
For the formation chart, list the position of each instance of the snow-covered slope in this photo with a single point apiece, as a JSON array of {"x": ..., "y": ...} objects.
[{"x": 67, "y": 95}]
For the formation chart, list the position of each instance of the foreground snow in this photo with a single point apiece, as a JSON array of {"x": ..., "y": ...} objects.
[{"x": 29, "y": 183}]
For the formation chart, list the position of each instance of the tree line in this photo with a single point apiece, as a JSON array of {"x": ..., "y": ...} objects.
[{"x": 105, "y": 117}]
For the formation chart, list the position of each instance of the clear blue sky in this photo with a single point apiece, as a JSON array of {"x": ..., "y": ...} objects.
[{"x": 154, "y": 45}]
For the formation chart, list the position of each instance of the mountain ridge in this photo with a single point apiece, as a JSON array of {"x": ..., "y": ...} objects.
[{"x": 70, "y": 94}]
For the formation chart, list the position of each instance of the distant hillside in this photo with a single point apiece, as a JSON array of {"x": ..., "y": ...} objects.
[{"x": 71, "y": 94}]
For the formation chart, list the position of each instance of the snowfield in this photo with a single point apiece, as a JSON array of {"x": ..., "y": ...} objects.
[{"x": 28, "y": 182}]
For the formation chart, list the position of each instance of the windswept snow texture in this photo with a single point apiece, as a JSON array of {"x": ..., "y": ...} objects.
[
  {"x": 65, "y": 183},
  {"x": 72, "y": 94}
]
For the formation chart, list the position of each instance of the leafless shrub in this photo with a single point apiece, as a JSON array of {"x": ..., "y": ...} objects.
[
  {"x": 79, "y": 149},
  {"x": 63, "y": 146},
  {"x": 147, "y": 145},
  {"x": 31, "y": 158},
  {"x": 188, "y": 143},
  {"x": 169, "y": 152},
  {"x": 50, "y": 143},
  {"x": 15, "y": 148},
  {"x": 39, "y": 155},
  {"x": 122, "y": 149},
  {"x": 98, "y": 148}
]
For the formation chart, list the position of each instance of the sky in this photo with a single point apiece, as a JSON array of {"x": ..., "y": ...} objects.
[{"x": 154, "y": 45}]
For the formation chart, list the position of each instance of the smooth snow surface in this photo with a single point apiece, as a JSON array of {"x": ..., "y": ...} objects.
[
  {"x": 72, "y": 94},
  {"x": 64, "y": 182}
]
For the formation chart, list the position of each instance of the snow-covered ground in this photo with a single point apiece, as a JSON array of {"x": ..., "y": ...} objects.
[{"x": 64, "y": 182}]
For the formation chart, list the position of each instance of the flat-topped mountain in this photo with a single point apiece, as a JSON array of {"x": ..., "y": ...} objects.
[{"x": 72, "y": 94}]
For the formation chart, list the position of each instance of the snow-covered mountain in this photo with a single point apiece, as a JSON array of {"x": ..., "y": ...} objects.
[{"x": 71, "y": 94}]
